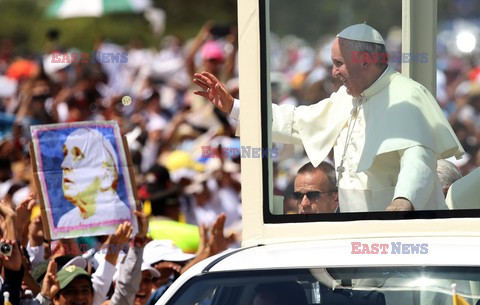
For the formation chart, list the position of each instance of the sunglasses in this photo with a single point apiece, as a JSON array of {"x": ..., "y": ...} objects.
[
  {"x": 311, "y": 195},
  {"x": 40, "y": 97}
]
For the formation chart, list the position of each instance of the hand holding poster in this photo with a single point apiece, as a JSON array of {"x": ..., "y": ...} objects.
[{"x": 82, "y": 174}]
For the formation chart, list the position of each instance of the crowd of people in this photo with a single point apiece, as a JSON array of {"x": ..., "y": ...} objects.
[
  {"x": 191, "y": 205},
  {"x": 165, "y": 126}
]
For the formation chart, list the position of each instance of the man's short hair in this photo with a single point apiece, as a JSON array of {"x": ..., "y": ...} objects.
[
  {"x": 447, "y": 172},
  {"x": 326, "y": 168}
]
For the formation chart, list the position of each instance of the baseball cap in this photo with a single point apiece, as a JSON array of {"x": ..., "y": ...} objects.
[
  {"x": 39, "y": 271},
  {"x": 66, "y": 275},
  {"x": 78, "y": 261},
  {"x": 98, "y": 257},
  {"x": 144, "y": 267},
  {"x": 50, "y": 66},
  {"x": 154, "y": 272},
  {"x": 212, "y": 50},
  {"x": 164, "y": 250},
  {"x": 67, "y": 260}
]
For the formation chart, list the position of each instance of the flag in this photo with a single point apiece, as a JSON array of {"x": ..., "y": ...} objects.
[{"x": 459, "y": 300}]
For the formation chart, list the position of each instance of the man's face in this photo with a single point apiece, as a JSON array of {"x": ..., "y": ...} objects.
[
  {"x": 83, "y": 167},
  {"x": 167, "y": 269},
  {"x": 311, "y": 184},
  {"x": 145, "y": 290},
  {"x": 344, "y": 69},
  {"x": 78, "y": 176},
  {"x": 78, "y": 292}
]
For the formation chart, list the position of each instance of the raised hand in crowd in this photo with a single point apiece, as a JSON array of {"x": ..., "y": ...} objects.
[
  {"x": 9, "y": 220},
  {"x": 117, "y": 240},
  {"x": 130, "y": 278},
  {"x": 14, "y": 260},
  {"x": 202, "y": 36},
  {"x": 214, "y": 90},
  {"x": 28, "y": 279},
  {"x": 24, "y": 211},
  {"x": 50, "y": 285},
  {"x": 142, "y": 225},
  {"x": 35, "y": 232},
  {"x": 212, "y": 241}
]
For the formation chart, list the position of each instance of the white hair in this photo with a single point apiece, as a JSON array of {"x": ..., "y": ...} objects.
[{"x": 447, "y": 172}]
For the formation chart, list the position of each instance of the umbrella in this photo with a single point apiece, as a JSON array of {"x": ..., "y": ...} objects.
[{"x": 95, "y": 8}]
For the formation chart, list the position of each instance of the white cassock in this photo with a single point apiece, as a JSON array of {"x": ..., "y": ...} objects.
[
  {"x": 107, "y": 213},
  {"x": 389, "y": 146}
]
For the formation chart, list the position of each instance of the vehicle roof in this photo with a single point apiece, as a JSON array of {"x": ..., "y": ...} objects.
[{"x": 440, "y": 251}]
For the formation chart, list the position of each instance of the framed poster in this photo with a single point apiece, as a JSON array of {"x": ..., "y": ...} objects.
[{"x": 84, "y": 178}]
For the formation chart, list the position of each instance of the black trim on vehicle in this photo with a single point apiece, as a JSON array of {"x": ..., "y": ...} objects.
[
  {"x": 264, "y": 103},
  {"x": 220, "y": 258},
  {"x": 429, "y": 214}
]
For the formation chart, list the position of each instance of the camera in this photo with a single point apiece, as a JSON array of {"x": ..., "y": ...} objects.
[{"x": 5, "y": 249}]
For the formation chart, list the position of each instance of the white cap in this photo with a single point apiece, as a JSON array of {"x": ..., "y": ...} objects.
[
  {"x": 8, "y": 86},
  {"x": 78, "y": 261},
  {"x": 51, "y": 66},
  {"x": 164, "y": 250},
  {"x": 362, "y": 32},
  {"x": 99, "y": 256},
  {"x": 154, "y": 272}
]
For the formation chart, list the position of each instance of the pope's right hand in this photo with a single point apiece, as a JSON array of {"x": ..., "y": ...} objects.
[{"x": 214, "y": 90}]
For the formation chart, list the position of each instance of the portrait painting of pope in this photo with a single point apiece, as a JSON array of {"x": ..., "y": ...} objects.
[{"x": 82, "y": 173}]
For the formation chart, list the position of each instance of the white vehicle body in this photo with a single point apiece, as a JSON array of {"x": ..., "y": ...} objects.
[{"x": 319, "y": 257}]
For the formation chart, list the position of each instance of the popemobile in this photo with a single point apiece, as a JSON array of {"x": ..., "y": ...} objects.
[{"x": 427, "y": 257}]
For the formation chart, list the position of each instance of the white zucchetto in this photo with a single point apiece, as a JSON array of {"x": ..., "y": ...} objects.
[{"x": 362, "y": 32}]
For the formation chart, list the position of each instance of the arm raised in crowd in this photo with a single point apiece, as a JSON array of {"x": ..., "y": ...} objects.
[
  {"x": 50, "y": 285},
  {"x": 24, "y": 211},
  {"x": 212, "y": 241},
  {"x": 102, "y": 278},
  {"x": 36, "y": 245},
  {"x": 12, "y": 265},
  {"x": 201, "y": 37},
  {"x": 130, "y": 273}
]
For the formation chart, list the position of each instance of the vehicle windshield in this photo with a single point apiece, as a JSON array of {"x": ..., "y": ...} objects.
[{"x": 335, "y": 286}]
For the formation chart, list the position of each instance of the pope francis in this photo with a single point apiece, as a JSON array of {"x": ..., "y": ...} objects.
[{"x": 386, "y": 130}]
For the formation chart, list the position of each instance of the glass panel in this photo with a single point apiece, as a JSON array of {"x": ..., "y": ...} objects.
[
  {"x": 300, "y": 61},
  {"x": 369, "y": 286}
]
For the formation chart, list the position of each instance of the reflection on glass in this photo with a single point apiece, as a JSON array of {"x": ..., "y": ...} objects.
[{"x": 308, "y": 65}]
